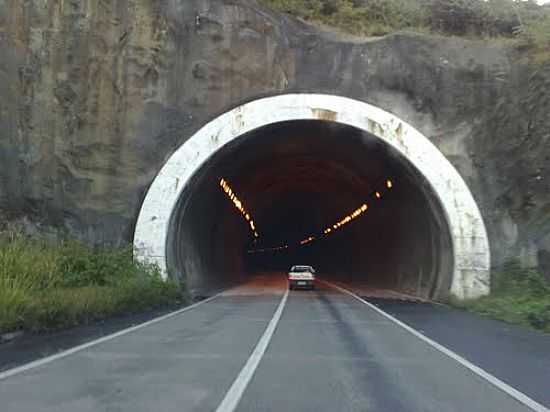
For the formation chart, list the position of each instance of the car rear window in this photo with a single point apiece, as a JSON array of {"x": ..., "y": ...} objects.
[{"x": 300, "y": 269}]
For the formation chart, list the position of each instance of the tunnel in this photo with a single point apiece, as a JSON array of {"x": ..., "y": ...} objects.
[
  {"x": 311, "y": 192},
  {"x": 316, "y": 180}
]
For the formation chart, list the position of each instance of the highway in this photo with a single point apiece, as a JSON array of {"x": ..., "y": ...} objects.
[{"x": 258, "y": 347}]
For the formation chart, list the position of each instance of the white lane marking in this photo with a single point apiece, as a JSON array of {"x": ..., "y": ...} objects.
[
  {"x": 514, "y": 393},
  {"x": 235, "y": 392},
  {"x": 65, "y": 353}
]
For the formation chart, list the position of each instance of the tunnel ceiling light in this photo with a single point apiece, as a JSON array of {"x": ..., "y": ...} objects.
[
  {"x": 224, "y": 184},
  {"x": 307, "y": 240},
  {"x": 346, "y": 220},
  {"x": 269, "y": 249}
]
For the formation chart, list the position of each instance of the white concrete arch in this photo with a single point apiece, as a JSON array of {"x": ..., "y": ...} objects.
[{"x": 469, "y": 238}]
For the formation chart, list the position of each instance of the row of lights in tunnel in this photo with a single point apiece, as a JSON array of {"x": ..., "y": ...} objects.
[
  {"x": 226, "y": 187},
  {"x": 356, "y": 213},
  {"x": 329, "y": 230}
]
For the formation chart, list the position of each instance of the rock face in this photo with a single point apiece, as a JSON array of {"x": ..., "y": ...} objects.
[{"x": 95, "y": 95}]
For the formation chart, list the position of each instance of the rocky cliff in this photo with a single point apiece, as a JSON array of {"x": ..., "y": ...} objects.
[{"x": 96, "y": 94}]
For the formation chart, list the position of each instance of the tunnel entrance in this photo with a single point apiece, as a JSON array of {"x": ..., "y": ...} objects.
[
  {"x": 295, "y": 180},
  {"x": 319, "y": 180}
]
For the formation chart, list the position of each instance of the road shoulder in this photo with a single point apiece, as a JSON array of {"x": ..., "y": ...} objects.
[{"x": 514, "y": 354}]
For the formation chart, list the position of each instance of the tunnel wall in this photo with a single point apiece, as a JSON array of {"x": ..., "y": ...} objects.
[
  {"x": 204, "y": 252},
  {"x": 415, "y": 259},
  {"x": 471, "y": 255}
]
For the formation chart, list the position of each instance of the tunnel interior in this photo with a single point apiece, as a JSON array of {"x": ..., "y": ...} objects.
[{"x": 297, "y": 180}]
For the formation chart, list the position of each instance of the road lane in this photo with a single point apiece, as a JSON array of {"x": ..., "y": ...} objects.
[
  {"x": 330, "y": 352},
  {"x": 235, "y": 392},
  {"x": 185, "y": 363},
  {"x": 514, "y": 354}
]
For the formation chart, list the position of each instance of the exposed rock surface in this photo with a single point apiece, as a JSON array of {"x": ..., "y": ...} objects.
[{"x": 96, "y": 94}]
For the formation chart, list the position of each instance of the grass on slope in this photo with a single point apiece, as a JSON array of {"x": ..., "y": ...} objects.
[
  {"x": 525, "y": 21},
  {"x": 518, "y": 296},
  {"x": 46, "y": 285}
]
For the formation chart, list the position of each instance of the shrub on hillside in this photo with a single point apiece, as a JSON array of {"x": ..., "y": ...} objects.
[
  {"x": 509, "y": 18},
  {"x": 457, "y": 17},
  {"x": 517, "y": 295},
  {"x": 45, "y": 285}
]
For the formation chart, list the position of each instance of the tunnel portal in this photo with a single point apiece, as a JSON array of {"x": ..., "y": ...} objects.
[{"x": 318, "y": 180}]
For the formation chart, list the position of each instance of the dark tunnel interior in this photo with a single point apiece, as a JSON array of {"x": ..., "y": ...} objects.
[{"x": 295, "y": 180}]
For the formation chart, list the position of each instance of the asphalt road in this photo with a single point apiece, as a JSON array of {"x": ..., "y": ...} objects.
[
  {"x": 328, "y": 352},
  {"x": 515, "y": 354}
]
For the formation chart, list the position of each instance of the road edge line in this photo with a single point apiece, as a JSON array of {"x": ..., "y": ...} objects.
[
  {"x": 63, "y": 354},
  {"x": 234, "y": 394},
  {"x": 510, "y": 391}
]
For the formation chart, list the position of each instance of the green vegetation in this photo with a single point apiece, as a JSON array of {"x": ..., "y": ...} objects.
[
  {"x": 518, "y": 296},
  {"x": 376, "y": 17},
  {"x": 523, "y": 20},
  {"x": 46, "y": 285}
]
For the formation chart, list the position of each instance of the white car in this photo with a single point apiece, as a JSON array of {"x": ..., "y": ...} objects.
[{"x": 301, "y": 276}]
